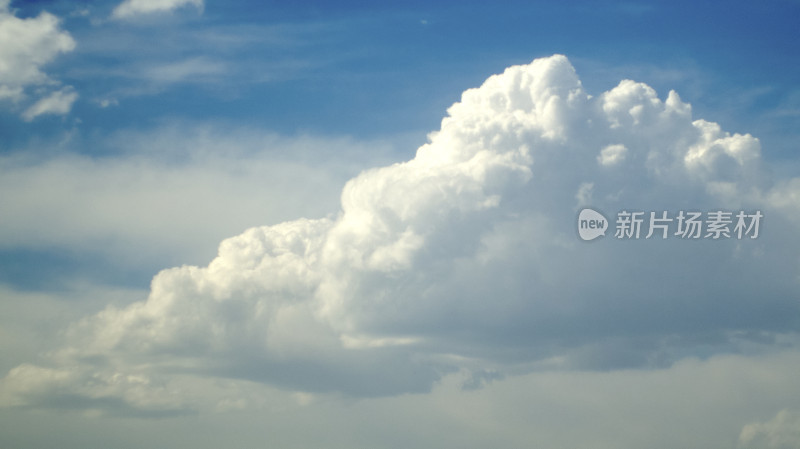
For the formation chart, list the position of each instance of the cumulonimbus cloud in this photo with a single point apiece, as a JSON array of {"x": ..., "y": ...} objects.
[{"x": 465, "y": 257}]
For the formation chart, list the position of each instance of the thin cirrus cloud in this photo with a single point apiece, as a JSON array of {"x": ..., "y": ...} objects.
[
  {"x": 464, "y": 258},
  {"x": 26, "y": 46}
]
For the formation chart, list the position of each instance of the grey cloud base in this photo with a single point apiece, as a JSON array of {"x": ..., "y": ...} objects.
[{"x": 465, "y": 258}]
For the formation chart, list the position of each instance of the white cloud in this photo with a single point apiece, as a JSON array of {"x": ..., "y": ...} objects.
[
  {"x": 31, "y": 319},
  {"x": 57, "y": 103},
  {"x": 131, "y": 8},
  {"x": 172, "y": 193},
  {"x": 465, "y": 258},
  {"x": 781, "y": 432},
  {"x": 10, "y": 93},
  {"x": 612, "y": 155},
  {"x": 189, "y": 69},
  {"x": 107, "y": 102},
  {"x": 26, "y": 46}
]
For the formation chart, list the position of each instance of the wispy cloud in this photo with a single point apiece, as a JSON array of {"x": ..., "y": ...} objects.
[
  {"x": 132, "y": 8},
  {"x": 57, "y": 103},
  {"x": 192, "y": 69},
  {"x": 121, "y": 61}
]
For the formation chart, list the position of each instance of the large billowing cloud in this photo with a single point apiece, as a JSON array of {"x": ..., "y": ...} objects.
[
  {"x": 465, "y": 258},
  {"x": 26, "y": 46}
]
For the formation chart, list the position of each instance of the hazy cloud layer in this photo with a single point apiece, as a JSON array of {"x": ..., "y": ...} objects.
[
  {"x": 780, "y": 432},
  {"x": 171, "y": 193},
  {"x": 466, "y": 259}
]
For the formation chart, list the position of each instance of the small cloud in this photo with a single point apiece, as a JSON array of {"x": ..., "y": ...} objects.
[
  {"x": 188, "y": 69},
  {"x": 612, "y": 155},
  {"x": 58, "y": 103},
  {"x": 84, "y": 12},
  {"x": 108, "y": 102},
  {"x": 132, "y": 8},
  {"x": 584, "y": 195}
]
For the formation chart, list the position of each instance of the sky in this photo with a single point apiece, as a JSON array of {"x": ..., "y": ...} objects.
[{"x": 358, "y": 224}]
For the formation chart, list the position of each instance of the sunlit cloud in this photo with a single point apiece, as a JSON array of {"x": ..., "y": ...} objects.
[{"x": 463, "y": 259}]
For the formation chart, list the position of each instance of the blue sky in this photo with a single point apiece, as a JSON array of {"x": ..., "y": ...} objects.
[
  {"x": 351, "y": 224},
  {"x": 315, "y": 67}
]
